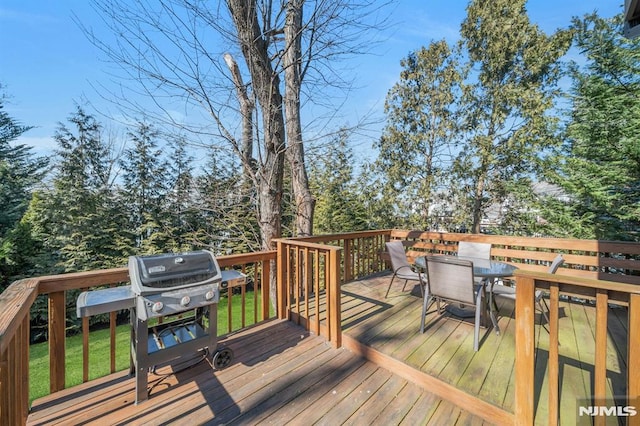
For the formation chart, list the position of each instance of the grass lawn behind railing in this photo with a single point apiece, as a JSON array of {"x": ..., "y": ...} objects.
[{"x": 99, "y": 341}]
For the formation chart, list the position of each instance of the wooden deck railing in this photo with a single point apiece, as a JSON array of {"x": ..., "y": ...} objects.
[
  {"x": 615, "y": 261},
  {"x": 361, "y": 251},
  {"x": 258, "y": 270},
  {"x": 17, "y": 299},
  {"x": 603, "y": 271},
  {"x": 604, "y": 293},
  {"x": 309, "y": 287},
  {"x": 310, "y": 271}
]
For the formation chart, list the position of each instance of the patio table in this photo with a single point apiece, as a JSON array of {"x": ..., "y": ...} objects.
[{"x": 489, "y": 271}]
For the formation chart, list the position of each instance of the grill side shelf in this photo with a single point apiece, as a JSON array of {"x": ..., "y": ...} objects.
[
  {"x": 232, "y": 278},
  {"x": 105, "y": 300}
]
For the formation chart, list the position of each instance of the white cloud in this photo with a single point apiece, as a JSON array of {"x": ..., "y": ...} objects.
[{"x": 42, "y": 145}]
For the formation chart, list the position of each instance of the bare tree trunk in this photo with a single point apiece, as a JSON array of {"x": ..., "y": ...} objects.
[
  {"x": 305, "y": 203},
  {"x": 477, "y": 204},
  {"x": 246, "y": 111},
  {"x": 266, "y": 87}
]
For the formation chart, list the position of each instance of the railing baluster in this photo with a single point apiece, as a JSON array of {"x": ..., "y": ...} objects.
[
  {"x": 296, "y": 284},
  {"x": 348, "y": 261},
  {"x": 5, "y": 368},
  {"x": 317, "y": 290},
  {"x": 85, "y": 349},
  {"x": 243, "y": 298},
  {"x": 22, "y": 369},
  {"x": 229, "y": 310},
  {"x": 282, "y": 274},
  {"x": 264, "y": 284},
  {"x": 112, "y": 340},
  {"x": 305, "y": 278}
]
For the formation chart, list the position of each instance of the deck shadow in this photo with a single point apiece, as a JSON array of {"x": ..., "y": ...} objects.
[{"x": 377, "y": 307}]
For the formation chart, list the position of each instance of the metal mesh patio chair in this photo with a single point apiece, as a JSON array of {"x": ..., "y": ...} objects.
[
  {"x": 471, "y": 249},
  {"x": 451, "y": 279},
  {"x": 508, "y": 292},
  {"x": 477, "y": 250},
  {"x": 401, "y": 267}
]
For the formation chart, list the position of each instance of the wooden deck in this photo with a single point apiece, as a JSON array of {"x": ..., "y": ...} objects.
[
  {"x": 387, "y": 373},
  {"x": 280, "y": 375},
  {"x": 445, "y": 351}
]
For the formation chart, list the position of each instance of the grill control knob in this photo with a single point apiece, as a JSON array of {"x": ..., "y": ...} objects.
[
  {"x": 185, "y": 301},
  {"x": 157, "y": 307},
  {"x": 209, "y": 295}
]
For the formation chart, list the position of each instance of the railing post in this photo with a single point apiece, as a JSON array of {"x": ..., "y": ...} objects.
[
  {"x": 57, "y": 323},
  {"x": 633, "y": 358},
  {"x": 554, "y": 354},
  {"x": 600, "y": 365},
  {"x": 335, "y": 314},
  {"x": 525, "y": 350}
]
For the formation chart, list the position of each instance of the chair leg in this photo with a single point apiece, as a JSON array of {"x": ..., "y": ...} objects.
[
  {"x": 425, "y": 306},
  {"x": 476, "y": 328},
  {"x": 546, "y": 316},
  {"x": 421, "y": 285},
  {"x": 391, "y": 282},
  {"x": 492, "y": 312}
]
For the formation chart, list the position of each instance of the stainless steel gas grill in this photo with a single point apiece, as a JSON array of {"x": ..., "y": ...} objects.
[{"x": 183, "y": 289}]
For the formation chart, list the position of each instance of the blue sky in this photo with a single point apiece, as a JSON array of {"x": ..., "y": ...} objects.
[{"x": 47, "y": 65}]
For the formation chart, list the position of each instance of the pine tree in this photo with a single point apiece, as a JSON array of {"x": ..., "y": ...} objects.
[
  {"x": 144, "y": 189},
  {"x": 20, "y": 172},
  {"x": 80, "y": 212},
  {"x": 417, "y": 141},
  {"x": 601, "y": 172},
  {"x": 509, "y": 92},
  {"x": 332, "y": 182},
  {"x": 181, "y": 216},
  {"x": 76, "y": 222},
  {"x": 227, "y": 203}
]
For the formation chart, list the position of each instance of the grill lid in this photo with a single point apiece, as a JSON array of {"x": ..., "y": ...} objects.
[{"x": 173, "y": 269}]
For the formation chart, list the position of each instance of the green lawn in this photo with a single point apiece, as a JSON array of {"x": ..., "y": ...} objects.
[{"x": 99, "y": 363}]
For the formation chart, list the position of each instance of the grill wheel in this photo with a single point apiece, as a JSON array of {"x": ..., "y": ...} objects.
[{"x": 222, "y": 358}]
